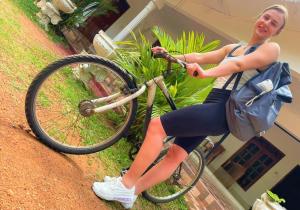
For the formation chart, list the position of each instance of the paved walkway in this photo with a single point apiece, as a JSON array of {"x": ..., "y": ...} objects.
[{"x": 209, "y": 194}]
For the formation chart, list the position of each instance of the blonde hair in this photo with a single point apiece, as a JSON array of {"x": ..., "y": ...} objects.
[{"x": 280, "y": 8}]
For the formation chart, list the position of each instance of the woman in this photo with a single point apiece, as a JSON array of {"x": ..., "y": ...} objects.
[{"x": 191, "y": 125}]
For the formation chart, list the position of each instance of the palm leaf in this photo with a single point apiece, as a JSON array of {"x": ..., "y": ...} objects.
[
  {"x": 210, "y": 46},
  {"x": 86, "y": 9}
]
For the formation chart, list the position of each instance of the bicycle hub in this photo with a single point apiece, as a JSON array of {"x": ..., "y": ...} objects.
[{"x": 86, "y": 108}]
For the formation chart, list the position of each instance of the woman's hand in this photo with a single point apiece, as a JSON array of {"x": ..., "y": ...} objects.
[
  {"x": 194, "y": 67},
  {"x": 158, "y": 49},
  {"x": 191, "y": 67}
]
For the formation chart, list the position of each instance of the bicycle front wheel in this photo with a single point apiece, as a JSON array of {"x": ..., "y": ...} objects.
[
  {"x": 180, "y": 182},
  {"x": 59, "y": 100}
]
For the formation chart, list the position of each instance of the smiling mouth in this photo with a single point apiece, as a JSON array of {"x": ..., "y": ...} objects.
[{"x": 262, "y": 29}]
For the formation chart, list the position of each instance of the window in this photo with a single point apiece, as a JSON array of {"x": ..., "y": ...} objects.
[{"x": 254, "y": 159}]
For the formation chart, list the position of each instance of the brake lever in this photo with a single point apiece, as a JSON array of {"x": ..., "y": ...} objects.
[{"x": 183, "y": 64}]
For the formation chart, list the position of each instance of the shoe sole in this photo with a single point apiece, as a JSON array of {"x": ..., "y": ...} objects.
[
  {"x": 100, "y": 196},
  {"x": 110, "y": 199}
]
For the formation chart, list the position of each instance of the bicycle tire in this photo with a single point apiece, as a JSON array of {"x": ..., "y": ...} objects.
[
  {"x": 60, "y": 71},
  {"x": 157, "y": 195}
]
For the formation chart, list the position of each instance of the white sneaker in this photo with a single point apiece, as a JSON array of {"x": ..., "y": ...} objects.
[
  {"x": 114, "y": 190},
  {"x": 130, "y": 204},
  {"x": 109, "y": 178}
]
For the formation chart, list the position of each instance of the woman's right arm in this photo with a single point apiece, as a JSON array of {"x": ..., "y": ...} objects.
[{"x": 213, "y": 57}]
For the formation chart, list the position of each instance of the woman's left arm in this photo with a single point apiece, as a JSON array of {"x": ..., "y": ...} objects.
[{"x": 263, "y": 56}]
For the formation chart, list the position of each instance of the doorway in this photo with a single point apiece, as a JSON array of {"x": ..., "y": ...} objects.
[
  {"x": 96, "y": 23},
  {"x": 288, "y": 188}
]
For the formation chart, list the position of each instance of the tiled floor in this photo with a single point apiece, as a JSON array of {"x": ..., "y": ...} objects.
[{"x": 207, "y": 196}]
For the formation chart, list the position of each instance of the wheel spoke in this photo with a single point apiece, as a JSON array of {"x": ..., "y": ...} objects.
[
  {"x": 73, "y": 125},
  {"x": 56, "y": 118}
]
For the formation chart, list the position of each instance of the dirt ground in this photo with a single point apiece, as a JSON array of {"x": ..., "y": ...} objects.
[{"x": 31, "y": 175}]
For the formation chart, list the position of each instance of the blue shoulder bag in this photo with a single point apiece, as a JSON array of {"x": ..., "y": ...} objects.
[{"x": 253, "y": 109}]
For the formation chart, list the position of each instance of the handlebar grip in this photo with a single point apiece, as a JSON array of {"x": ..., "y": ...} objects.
[
  {"x": 169, "y": 58},
  {"x": 195, "y": 74},
  {"x": 159, "y": 55}
]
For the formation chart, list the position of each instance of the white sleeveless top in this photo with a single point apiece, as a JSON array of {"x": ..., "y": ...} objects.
[{"x": 248, "y": 74}]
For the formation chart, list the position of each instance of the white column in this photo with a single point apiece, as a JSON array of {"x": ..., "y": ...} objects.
[
  {"x": 153, "y": 4},
  {"x": 103, "y": 44}
]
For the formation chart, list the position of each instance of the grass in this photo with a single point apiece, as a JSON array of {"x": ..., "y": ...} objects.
[
  {"x": 30, "y": 9},
  {"x": 22, "y": 57}
]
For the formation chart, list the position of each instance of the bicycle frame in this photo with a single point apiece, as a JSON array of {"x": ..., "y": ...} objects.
[{"x": 151, "y": 85}]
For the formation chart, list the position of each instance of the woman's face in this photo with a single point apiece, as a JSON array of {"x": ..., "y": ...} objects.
[{"x": 269, "y": 24}]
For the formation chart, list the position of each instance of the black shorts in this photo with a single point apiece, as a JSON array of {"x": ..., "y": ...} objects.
[{"x": 191, "y": 125}]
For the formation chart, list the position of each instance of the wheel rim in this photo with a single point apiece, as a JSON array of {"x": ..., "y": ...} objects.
[
  {"x": 57, "y": 106},
  {"x": 182, "y": 180}
]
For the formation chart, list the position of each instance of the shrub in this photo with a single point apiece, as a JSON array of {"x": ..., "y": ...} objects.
[{"x": 136, "y": 58}]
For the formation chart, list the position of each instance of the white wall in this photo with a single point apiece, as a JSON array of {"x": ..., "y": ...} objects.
[
  {"x": 289, "y": 116},
  {"x": 239, "y": 27},
  {"x": 168, "y": 18},
  {"x": 174, "y": 23},
  {"x": 135, "y": 7},
  {"x": 231, "y": 28},
  {"x": 280, "y": 140}
]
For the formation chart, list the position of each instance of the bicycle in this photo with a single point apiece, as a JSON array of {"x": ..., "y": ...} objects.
[{"x": 82, "y": 124}]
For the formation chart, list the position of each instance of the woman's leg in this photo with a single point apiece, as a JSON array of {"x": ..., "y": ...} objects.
[
  {"x": 162, "y": 170},
  {"x": 189, "y": 122},
  {"x": 148, "y": 152}
]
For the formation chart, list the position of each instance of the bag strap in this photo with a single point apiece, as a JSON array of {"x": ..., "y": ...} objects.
[
  {"x": 240, "y": 74},
  {"x": 252, "y": 49},
  {"x": 234, "y": 49},
  {"x": 237, "y": 80},
  {"x": 229, "y": 81},
  {"x": 233, "y": 75}
]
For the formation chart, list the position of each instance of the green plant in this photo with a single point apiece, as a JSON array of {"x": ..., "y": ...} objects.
[
  {"x": 86, "y": 9},
  {"x": 30, "y": 9},
  {"x": 136, "y": 58},
  {"x": 275, "y": 197}
]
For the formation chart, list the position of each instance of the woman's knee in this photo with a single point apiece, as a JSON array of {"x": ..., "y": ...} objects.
[
  {"x": 176, "y": 154},
  {"x": 155, "y": 126}
]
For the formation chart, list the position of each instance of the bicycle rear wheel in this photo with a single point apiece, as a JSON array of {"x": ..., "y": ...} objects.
[
  {"x": 180, "y": 182},
  {"x": 59, "y": 99}
]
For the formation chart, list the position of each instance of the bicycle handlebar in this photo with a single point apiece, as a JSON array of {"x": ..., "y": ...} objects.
[{"x": 172, "y": 59}]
